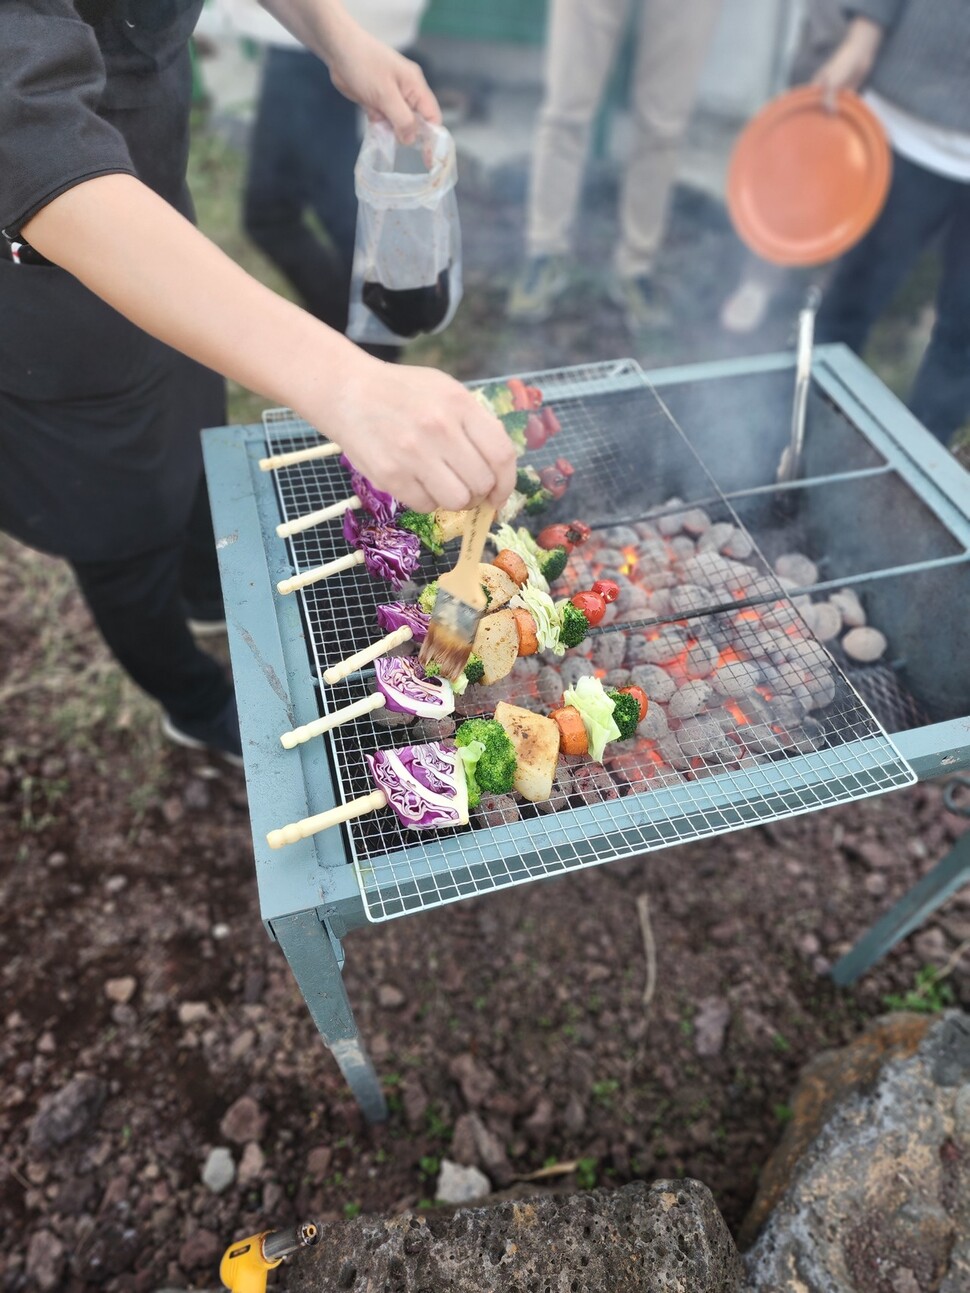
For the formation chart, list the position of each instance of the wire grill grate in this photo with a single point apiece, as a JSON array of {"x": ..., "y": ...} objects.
[{"x": 736, "y": 763}]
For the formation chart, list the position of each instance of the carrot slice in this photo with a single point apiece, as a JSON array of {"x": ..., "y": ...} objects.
[
  {"x": 520, "y": 395},
  {"x": 572, "y": 730},
  {"x": 526, "y": 628},
  {"x": 511, "y": 564}
]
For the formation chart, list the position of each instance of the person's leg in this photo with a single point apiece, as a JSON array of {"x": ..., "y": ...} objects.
[
  {"x": 867, "y": 277},
  {"x": 275, "y": 197},
  {"x": 941, "y": 393},
  {"x": 581, "y": 46},
  {"x": 673, "y": 41},
  {"x": 199, "y": 401},
  {"x": 137, "y": 605}
]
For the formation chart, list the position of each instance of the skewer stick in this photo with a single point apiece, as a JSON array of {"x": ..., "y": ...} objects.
[
  {"x": 320, "y": 572},
  {"x": 301, "y": 830},
  {"x": 344, "y": 668},
  {"x": 300, "y": 523},
  {"x": 275, "y": 461},
  {"x": 320, "y": 725}
]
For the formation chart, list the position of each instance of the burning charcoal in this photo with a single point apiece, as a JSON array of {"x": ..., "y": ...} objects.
[
  {"x": 621, "y": 536},
  {"x": 689, "y": 597},
  {"x": 617, "y": 678},
  {"x": 702, "y": 738},
  {"x": 654, "y": 725},
  {"x": 657, "y": 575},
  {"x": 825, "y": 621},
  {"x": 631, "y": 598},
  {"x": 696, "y": 521},
  {"x": 714, "y": 539},
  {"x": 593, "y": 784},
  {"x": 673, "y": 522},
  {"x": 432, "y": 729},
  {"x": 682, "y": 547},
  {"x": 853, "y": 616},
  {"x": 475, "y": 700},
  {"x": 761, "y": 587},
  {"x": 658, "y": 603},
  {"x": 645, "y": 531},
  {"x": 656, "y": 682},
  {"x": 549, "y": 685},
  {"x": 701, "y": 659},
  {"x": 689, "y": 699},
  {"x": 387, "y": 717},
  {"x": 612, "y": 560},
  {"x": 787, "y": 709},
  {"x": 809, "y": 654},
  {"x": 608, "y": 650},
  {"x": 496, "y": 810},
  {"x": 573, "y": 668},
  {"x": 864, "y": 644},
  {"x": 782, "y": 616},
  {"x": 631, "y": 767},
  {"x": 669, "y": 747},
  {"x": 822, "y": 686},
  {"x": 662, "y": 649},
  {"x": 735, "y": 678},
  {"x": 739, "y": 545},
  {"x": 793, "y": 565},
  {"x": 707, "y": 568}
]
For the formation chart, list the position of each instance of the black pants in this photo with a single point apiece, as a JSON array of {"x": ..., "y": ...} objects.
[
  {"x": 922, "y": 207},
  {"x": 139, "y": 604}
]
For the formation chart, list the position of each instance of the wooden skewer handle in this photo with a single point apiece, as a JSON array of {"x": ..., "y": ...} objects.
[
  {"x": 300, "y": 523},
  {"x": 320, "y": 572},
  {"x": 278, "y": 460},
  {"x": 371, "y": 803},
  {"x": 320, "y": 725},
  {"x": 343, "y": 668}
]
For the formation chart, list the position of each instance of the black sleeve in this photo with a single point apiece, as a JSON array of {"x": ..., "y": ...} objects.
[
  {"x": 52, "y": 77},
  {"x": 883, "y": 12}
]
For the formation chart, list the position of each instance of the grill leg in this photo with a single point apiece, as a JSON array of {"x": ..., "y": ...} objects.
[
  {"x": 310, "y": 952},
  {"x": 946, "y": 877}
]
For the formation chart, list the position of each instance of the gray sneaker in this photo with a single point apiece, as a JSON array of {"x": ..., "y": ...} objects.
[
  {"x": 541, "y": 283},
  {"x": 640, "y": 302}
]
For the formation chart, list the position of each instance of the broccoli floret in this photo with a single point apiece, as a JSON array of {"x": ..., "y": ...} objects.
[
  {"x": 574, "y": 627},
  {"x": 552, "y": 563},
  {"x": 537, "y": 501},
  {"x": 499, "y": 397},
  {"x": 428, "y": 596},
  {"x": 626, "y": 713},
  {"x": 527, "y": 480},
  {"x": 474, "y": 669},
  {"x": 424, "y": 525},
  {"x": 514, "y": 424},
  {"x": 432, "y": 669},
  {"x": 494, "y": 771}
]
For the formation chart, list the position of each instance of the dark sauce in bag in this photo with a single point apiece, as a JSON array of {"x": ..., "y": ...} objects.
[{"x": 412, "y": 310}]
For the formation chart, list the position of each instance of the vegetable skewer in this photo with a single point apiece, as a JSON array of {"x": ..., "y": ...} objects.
[{"x": 275, "y": 461}]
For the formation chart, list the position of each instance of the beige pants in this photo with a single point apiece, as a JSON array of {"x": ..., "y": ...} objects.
[{"x": 584, "y": 37}]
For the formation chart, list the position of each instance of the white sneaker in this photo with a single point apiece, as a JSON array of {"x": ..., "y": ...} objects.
[{"x": 746, "y": 308}]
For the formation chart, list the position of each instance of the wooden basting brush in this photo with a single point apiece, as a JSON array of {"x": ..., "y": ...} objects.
[{"x": 461, "y": 601}]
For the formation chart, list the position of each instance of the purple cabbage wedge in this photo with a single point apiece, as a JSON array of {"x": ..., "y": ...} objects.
[
  {"x": 381, "y": 505},
  {"x": 397, "y": 615},
  {"x": 401, "y": 681},
  {"x": 389, "y": 553},
  {"x": 424, "y": 785}
]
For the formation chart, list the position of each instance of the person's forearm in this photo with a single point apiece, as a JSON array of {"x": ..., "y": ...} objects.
[
  {"x": 142, "y": 257},
  {"x": 318, "y": 24}
]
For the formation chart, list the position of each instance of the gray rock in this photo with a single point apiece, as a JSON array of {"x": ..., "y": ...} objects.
[
  {"x": 202, "y": 1248},
  {"x": 243, "y": 1121},
  {"x": 667, "y": 1237},
  {"x": 710, "y": 1026},
  {"x": 219, "y": 1170},
  {"x": 869, "y": 1189},
  {"x": 45, "y": 1260},
  {"x": 458, "y": 1184},
  {"x": 67, "y": 1113}
]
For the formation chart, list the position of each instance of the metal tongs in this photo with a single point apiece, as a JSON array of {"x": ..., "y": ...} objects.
[{"x": 790, "y": 464}]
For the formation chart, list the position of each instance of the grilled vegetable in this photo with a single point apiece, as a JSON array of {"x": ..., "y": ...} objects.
[
  {"x": 572, "y": 730},
  {"x": 381, "y": 505},
  {"x": 563, "y": 536},
  {"x": 395, "y": 615},
  {"x": 597, "y": 710},
  {"x": 526, "y": 628},
  {"x": 499, "y": 588},
  {"x": 640, "y": 696},
  {"x": 626, "y": 713},
  {"x": 427, "y": 597},
  {"x": 408, "y": 690},
  {"x": 592, "y": 606},
  {"x": 424, "y": 525},
  {"x": 573, "y": 626},
  {"x": 389, "y": 552},
  {"x": 511, "y": 564},
  {"x": 424, "y": 784},
  {"x": 497, "y": 644},
  {"x": 474, "y": 669},
  {"x": 536, "y": 742},
  {"x": 608, "y": 589},
  {"x": 488, "y": 756}
]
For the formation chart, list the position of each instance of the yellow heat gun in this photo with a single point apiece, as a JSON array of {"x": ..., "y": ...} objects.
[{"x": 245, "y": 1263}]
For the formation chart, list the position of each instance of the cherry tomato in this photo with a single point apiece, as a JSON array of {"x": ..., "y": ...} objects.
[
  {"x": 640, "y": 696},
  {"x": 554, "y": 481},
  {"x": 535, "y": 396},
  {"x": 535, "y": 433},
  {"x": 607, "y": 589},
  {"x": 565, "y": 466},
  {"x": 520, "y": 396},
  {"x": 550, "y": 421},
  {"x": 580, "y": 532},
  {"x": 592, "y": 606},
  {"x": 555, "y": 536}
]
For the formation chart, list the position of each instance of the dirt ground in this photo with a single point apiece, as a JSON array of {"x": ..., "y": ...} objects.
[{"x": 132, "y": 952}]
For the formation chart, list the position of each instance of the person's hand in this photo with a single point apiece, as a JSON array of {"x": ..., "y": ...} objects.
[
  {"x": 850, "y": 65},
  {"x": 419, "y": 435},
  {"x": 387, "y": 85}
]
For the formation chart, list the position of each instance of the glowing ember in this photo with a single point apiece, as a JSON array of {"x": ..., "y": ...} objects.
[
  {"x": 631, "y": 559},
  {"x": 749, "y": 614},
  {"x": 736, "y": 712},
  {"x": 728, "y": 656}
]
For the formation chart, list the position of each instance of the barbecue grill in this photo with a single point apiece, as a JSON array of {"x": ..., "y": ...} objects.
[{"x": 880, "y": 507}]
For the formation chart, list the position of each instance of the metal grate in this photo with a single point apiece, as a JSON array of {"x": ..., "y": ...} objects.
[{"x": 735, "y": 767}]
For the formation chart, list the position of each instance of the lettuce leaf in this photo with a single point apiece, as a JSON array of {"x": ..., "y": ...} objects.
[{"x": 596, "y": 710}]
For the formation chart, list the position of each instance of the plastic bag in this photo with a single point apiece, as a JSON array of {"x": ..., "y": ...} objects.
[{"x": 407, "y": 255}]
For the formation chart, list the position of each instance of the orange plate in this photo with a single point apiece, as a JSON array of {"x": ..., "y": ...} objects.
[{"x": 807, "y": 181}]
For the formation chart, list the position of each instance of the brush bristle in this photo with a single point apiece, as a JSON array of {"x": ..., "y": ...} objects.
[{"x": 446, "y": 649}]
